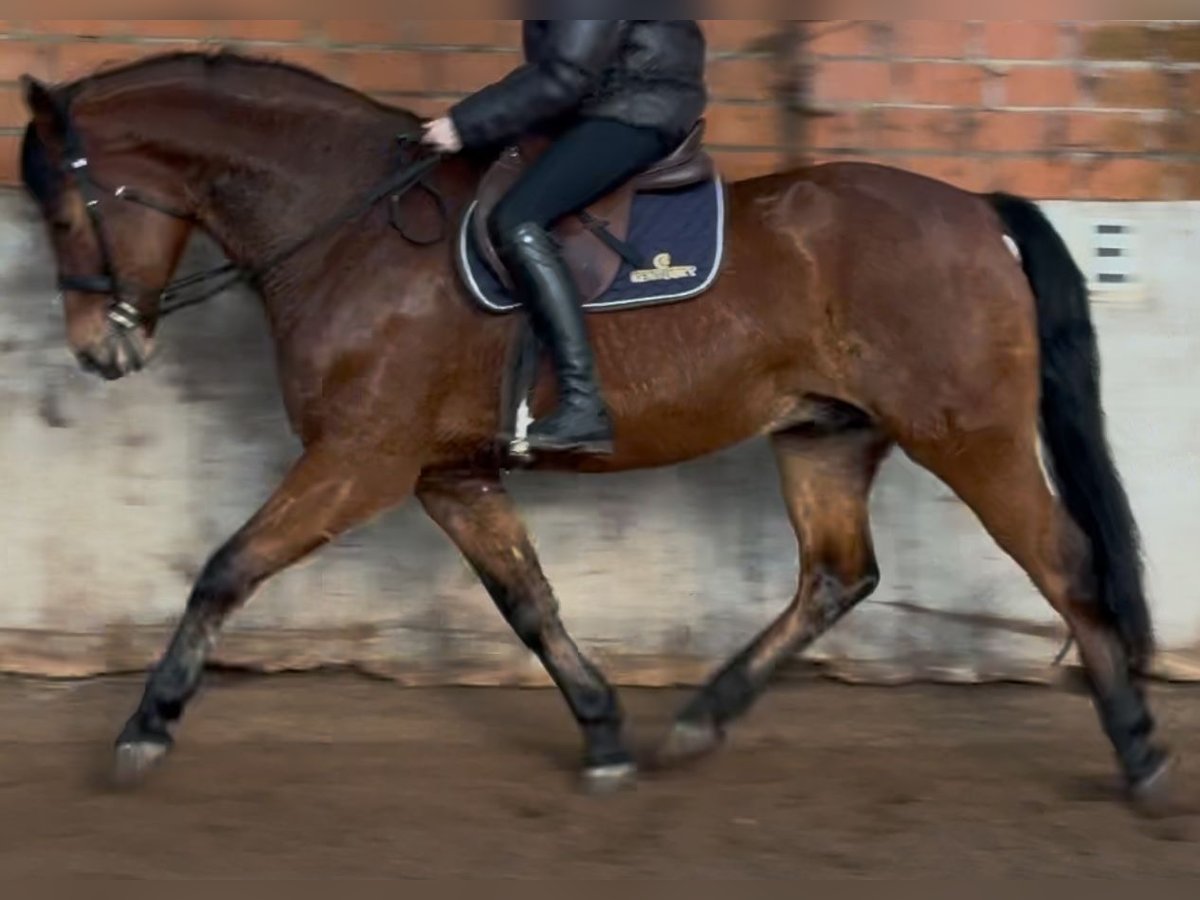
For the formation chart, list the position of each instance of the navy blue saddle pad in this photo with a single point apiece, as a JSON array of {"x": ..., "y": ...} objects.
[{"x": 680, "y": 234}]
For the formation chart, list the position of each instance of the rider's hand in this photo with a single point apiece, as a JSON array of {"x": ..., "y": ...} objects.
[{"x": 443, "y": 135}]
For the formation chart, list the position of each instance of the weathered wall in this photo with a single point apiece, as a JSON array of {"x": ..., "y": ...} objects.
[{"x": 111, "y": 496}]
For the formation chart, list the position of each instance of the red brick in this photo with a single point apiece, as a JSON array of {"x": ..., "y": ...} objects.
[
  {"x": 283, "y": 30},
  {"x": 321, "y": 61},
  {"x": 1182, "y": 181},
  {"x": 1011, "y": 132},
  {"x": 363, "y": 31},
  {"x": 195, "y": 29},
  {"x": 744, "y": 126},
  {"x": 739, "y": 166},
  {"x": 454, "y": 72},
  {"x": 950, "y": 131},
  {"x": 929, "y": 38},
  {"x": 841, "y": 37},
  {"x": 436, "y": 71},
  {"x": 967, "y": 172},
  {"x": 829, "y": 157},
  {"x": 80, "y": 60},
  {"x": 742, "y": 79},
  {"x": 13, "y": 112},
  {"x": 10, "y": 155},
  {"x": 505, "y": 33},
  {"x": 19, "y": 58},
  {"x": 1177, "y": 133},
  {"x": 77, "y": 27},
  {"x": 853, "y": 130},
  {"x": 385, "y": 71},
  {"x": 941, "y": 83},
  {"x": 1041, "y": 86},
  {"x": 1023, "y": 39},
  {"x": 428, "y": 107},
  {"x": 1138, "y": 89},
  {"x": 739, "y": 35},
  {"x": 1111, "y": 132},
  {"x": 1125, "y": 42},
  {"x": 1182, "y": 42},
  {"x": 1038, "y": 178},
  {"x": 852, "y": 82},
  {"x": 1122, "y": 179}
]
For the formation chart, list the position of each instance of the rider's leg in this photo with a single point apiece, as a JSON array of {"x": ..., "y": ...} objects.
[{"x": 587, "y": 162}]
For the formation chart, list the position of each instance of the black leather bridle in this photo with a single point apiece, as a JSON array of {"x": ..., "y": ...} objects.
[{"x": 124, "y": 311}]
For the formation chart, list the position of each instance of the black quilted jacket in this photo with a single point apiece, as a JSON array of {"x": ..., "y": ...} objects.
[{"x": 646, "y": 73}]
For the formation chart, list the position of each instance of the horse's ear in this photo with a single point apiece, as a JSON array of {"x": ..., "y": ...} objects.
[{"x": 41, "y": 103}]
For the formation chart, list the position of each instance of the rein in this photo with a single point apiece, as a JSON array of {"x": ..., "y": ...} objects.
[{"x": 192, "y": 290}]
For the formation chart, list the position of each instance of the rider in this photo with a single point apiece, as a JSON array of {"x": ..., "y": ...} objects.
[{"x": 617, "y": 96}]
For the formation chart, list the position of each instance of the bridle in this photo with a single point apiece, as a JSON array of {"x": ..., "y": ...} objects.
[{"x": 124, "y": 313}]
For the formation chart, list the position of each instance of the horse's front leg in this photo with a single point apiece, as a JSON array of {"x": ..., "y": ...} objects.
[
  {"x": 478, "y": 515},
  {"x": 320, "y": 498}
]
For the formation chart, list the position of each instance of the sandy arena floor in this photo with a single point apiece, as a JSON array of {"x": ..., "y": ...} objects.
[{"x": 341, "y": 777}]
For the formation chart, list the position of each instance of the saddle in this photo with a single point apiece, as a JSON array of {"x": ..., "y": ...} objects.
[{"x": 593, "y": 240}]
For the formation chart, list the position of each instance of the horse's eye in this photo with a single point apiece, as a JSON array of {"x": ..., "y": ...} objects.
[{"x": 60, "y": 226}]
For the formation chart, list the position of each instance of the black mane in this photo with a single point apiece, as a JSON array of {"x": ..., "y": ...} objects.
[
  {"x": 43, "y": 181},
  {"x": 216, "y": 63},
  {"x": 37, "y": 173}
]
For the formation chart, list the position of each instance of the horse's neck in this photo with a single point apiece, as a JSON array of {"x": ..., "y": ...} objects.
[
  {"x": 270, "y": 197},
  {"x": 261, "y": 175},
  {"x": 267, "y": 195},
  {"x": 265, "y": 176}
]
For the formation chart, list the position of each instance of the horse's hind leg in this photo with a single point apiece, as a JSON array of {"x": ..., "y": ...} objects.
[
  {"x": 999, "y": 476},
  {"x": 318, "y": 500},
  {"x": 827, "y": 481},
  {"x": 478, "y": 515}
]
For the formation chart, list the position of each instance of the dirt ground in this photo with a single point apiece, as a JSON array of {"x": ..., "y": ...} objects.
[{"x": 335, "y": 776}]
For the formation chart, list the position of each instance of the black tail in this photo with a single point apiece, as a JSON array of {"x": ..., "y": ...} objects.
[{"x": 1072, "y": 418}]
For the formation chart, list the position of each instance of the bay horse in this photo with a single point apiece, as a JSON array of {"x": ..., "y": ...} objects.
[{"x": 861, "y": 308}]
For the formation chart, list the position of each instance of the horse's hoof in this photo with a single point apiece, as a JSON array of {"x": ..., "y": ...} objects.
[
  {"x": 610, "y": 779},
  {"x": 135, "y": 761},
  {"x": 688, "y": 742},
  {"x": 1153, "y": 795}
]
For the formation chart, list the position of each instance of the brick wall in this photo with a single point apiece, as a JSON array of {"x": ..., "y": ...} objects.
[{"x": 1049, "y": 109}]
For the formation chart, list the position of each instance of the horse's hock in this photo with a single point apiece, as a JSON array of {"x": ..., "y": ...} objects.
[{"x": 114, "y": 495}]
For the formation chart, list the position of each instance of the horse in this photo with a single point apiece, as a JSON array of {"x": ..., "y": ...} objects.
[{"x": 860, "y": 309}]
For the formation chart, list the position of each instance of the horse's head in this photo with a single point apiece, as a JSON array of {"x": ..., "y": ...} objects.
[{"x": 117, "y": 220}]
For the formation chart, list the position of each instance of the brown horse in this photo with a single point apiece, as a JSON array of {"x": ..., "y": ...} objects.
[{"x": 860, "y": 308}]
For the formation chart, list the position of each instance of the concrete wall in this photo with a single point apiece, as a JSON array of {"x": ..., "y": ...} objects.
[{"x": 112, "y": 496}]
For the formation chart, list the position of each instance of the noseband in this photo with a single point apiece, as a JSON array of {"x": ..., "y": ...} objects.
[{"x": 124, "y": 314}]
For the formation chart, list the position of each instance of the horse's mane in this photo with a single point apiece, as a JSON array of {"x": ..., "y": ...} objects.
[
  {"x": 219, "y": 68},
  {"x": 216, "y": 70}
]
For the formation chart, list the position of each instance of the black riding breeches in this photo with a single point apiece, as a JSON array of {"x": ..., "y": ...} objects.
[{"x": 592, "y": 159}]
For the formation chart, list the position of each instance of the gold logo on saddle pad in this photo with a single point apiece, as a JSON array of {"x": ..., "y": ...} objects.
[{"x": 663, "y": 271}]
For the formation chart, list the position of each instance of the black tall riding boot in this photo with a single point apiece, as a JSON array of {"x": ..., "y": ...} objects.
[{"x": 581, "y": 423}]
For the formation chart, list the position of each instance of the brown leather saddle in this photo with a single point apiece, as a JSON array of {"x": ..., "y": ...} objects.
[{"x": 586, "y": 238}]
